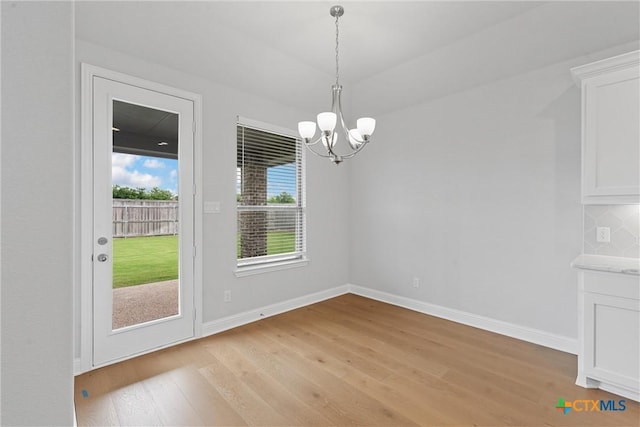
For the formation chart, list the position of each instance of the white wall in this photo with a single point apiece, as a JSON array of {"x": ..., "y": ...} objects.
[
  {"x": 37, "y": 208},
  {"x": 327, "y": 191},
  {"x": 477, "y": 194}
]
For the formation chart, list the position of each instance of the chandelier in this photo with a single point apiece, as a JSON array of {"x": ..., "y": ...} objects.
[{"x": 325, "y": 145}]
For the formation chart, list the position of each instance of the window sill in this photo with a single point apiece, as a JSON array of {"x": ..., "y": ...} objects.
[{"x": 250, "y": 270}]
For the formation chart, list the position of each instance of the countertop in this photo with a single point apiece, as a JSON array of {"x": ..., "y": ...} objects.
[{"x": 610, "y": 264}]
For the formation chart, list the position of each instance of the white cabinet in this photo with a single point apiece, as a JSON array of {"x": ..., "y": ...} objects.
[
  {"x": 609, "y": 335},
  {"x": 610, "y": 129}
]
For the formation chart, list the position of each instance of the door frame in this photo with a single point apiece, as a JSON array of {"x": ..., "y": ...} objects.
[{"x": 85, "y": 299}]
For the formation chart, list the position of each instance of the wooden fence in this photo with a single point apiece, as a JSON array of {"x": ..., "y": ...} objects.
[
  {"x": 132, "y": 218},
  {"x": 145, "y": 217}
]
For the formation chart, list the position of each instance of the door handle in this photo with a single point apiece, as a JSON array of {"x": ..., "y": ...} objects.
[{"x": 102, "y": 257}]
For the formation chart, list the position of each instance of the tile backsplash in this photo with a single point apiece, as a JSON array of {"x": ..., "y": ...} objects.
[{"x": 624, "y": 222}]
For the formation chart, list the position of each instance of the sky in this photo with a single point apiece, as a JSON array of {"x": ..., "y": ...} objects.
[
  {"x": 280, "y": 179},
  {"x": 135, "y": 171},
  {"x": 128, "y": 170}
]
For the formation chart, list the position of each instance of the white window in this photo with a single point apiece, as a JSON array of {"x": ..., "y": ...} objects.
[{"x": 270, "y": 196}]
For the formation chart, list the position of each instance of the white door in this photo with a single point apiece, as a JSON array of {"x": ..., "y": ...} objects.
[{"x": 143, "y": 256}]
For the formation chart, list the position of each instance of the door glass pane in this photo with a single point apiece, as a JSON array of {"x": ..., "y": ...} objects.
[{"x": 145, "y": 214}]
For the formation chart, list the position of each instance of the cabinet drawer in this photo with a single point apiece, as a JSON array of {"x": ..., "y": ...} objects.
[{"x": 618, "y": 285}]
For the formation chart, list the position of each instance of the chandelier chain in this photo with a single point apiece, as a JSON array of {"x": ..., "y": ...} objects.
[{"x": 337, "y": 44}]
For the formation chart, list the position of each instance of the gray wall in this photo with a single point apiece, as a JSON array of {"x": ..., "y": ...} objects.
[
  {"x": 478, "y": 195},
  {"x": 37, "y": 191},
  {"x": 326, "y": 187}
]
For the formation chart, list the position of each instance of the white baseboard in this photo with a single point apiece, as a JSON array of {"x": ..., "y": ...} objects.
[
  {"x": 536, "y": 336},
  {"x": 523, "y": 333},
  {"x": 620, "y": 391},
  {"x": 230, "y": 322},
  {"x": 77, "y": 366}
]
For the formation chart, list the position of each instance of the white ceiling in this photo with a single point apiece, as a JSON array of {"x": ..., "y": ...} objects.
[{"x": 392, "y": 54}]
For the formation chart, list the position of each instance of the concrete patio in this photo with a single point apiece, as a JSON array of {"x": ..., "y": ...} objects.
[{"x": 143, "y": 303}]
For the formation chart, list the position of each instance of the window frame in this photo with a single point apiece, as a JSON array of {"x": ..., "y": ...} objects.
[{"x": 267, "y": 263}]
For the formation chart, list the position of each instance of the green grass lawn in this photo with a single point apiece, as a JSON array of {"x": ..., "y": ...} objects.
[
  {"x": 281, "y": 242},
  {"x": 278, "y": 242},
  {"x": 138, "y": 260}
]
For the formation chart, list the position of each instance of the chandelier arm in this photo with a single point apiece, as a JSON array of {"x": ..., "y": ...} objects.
[
  {"x": 336, "y": 158},
  {"x": 329, "y": 146},
  {"x": 335, "y": 95},
  {"x": 355, "y": 151},
  {"x": 346, "y": 130},
  {"x": 311, "y": 143},
  {"x": 313, "y": 151},
  {"x": 331, "y": 154},
  {"x": 339, "y": 113}
]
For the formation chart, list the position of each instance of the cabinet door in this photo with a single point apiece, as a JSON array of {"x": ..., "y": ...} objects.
[
  {"x": 611, "y": 151},
  {"x": 612, "y": 339}
]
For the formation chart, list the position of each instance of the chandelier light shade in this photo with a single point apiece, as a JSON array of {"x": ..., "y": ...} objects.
[{"x": 328, "y": 122}]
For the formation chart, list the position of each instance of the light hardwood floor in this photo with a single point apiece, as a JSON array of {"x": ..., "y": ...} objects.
[{"x": 345, "y": 361}]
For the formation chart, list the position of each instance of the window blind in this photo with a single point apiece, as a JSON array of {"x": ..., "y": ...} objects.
[{"x": 270, "y": 196}]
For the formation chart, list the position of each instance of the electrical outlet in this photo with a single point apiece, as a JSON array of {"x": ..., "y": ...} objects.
[
  {"x": 603, "y": 234},
  {"x": 416, "y": 282},
  {"x": 227, "y": 296}
]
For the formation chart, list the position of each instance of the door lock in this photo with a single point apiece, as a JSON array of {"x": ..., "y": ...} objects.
[{"x": 102, "y": 257}]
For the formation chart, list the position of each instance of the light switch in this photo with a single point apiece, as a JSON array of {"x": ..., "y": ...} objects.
[{"x": 212, "y": 207}]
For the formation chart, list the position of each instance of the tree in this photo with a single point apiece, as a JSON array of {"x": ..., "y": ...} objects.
[
  {"x": 283, "y": 197},
  {"x": 160, "y": 194},
  {"x": 127, "y": 192},
  {"x": 141, "y": 193}
]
